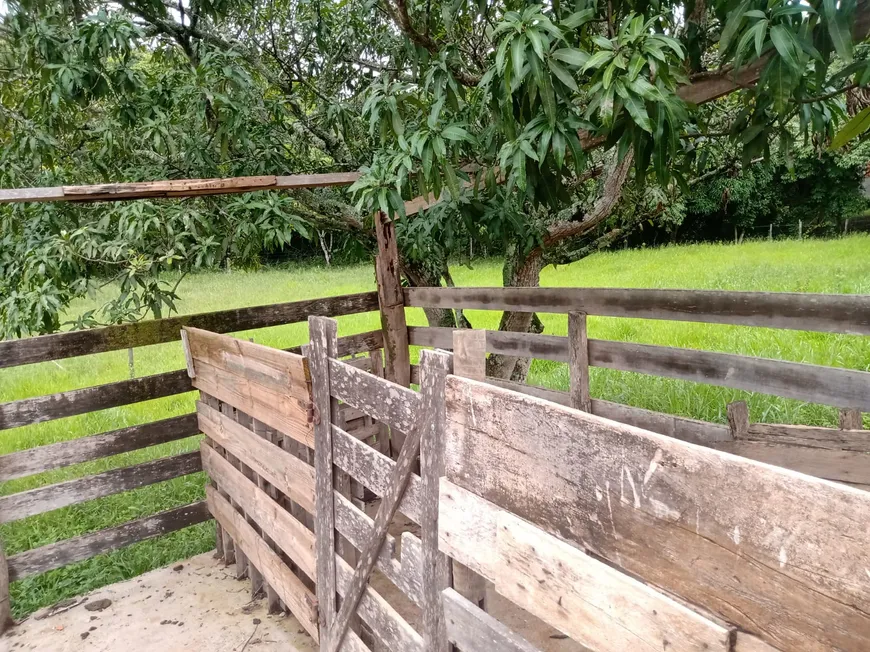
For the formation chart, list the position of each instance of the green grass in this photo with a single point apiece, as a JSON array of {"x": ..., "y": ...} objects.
[{"x": 836, "y": 266}]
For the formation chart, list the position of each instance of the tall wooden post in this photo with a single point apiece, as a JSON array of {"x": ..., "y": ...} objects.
[
  {"x": 397, "y": 360},
  {"x": 469, "y": 361},
  {"x": 578, "y": 361},
  {"x": 392, "y": 303},
  {"x": 5, "y": 603}
]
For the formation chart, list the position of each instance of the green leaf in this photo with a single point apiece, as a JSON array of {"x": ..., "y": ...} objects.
[
  {"x": 598, "y": 59},
  {"x": 608, "y": 75},
  {"x": 779, "y": 77},
  {"x": 755, "y": 13},
  {"x": 636, "y": 108},
  {"x": 636, "y": 65},
  {"x": 537, "y": 43},
  {"x": 735, "y": 20},
  {"x": 571, "y": 56},
  {"x": 455, "y": 132},
  {"x": 759, "y": 28},
  {"x": 518, "y": 57},
  {"x": 784, "y": 42},
  {"x": 838, "y": 29},
  {"x": 526, "y": 147},
  {"x": 563, "y": 75},
  {"x": 578, "y": 18},
  {"x": 602, "y": 42},
  {"x": 855, "y": 127}
]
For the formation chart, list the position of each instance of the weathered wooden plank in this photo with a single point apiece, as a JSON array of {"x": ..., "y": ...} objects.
[
  {"x": 65, "y": 453},
  {"x": 804, "y": 382},
  {"x": 794, "y": 577},
  {"x": 176, "y": 188},
  {"x": 851, "y": 419},
  {"x": 277, "y": 370},
  {"x": 286, "y": 472},
  {"x": 594, "y": 604},
  {"x": 356, "y": 527},
  {"x": 391, "y": 302},
  {"x": 124, "y": 336},
  {"x": 69, "y": 551},
  {"x": 391, "y": 630},
  {"x": 578, "y": 361},
  {"x": 738, "y": 418},
  {"x": 435, "y": 567},
  {"x": 5, "y": 600},
  {"x": 434, "y": 366},
  {"x": 277, "y": 524},
  {"x": 469, "y": 357},
  {"x": 856, "y": 441},
  {"x": 279, "y": 410},
  {"x": 373, "y": 469},
  {"x": 79, "y": 401},
  {"x": 387, "y": 402},
  {"x": 322, "y": 334},
  {"x": 54, "y": 496},
  {"x": 834, "y": 313},
  {"x": 473, "y": 630},
  {"x": 836, "y": 465},
  {"x": 299, "y": 600}
]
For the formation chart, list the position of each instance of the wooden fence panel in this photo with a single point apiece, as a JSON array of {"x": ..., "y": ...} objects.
[
  {"x": 834, "y": 313},
  {"x": 773, "y": 552}
]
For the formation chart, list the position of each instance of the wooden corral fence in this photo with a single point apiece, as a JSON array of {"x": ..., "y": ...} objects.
[
  {"x": 37, "y": 460},
  {"x": 840, "y": 454}
]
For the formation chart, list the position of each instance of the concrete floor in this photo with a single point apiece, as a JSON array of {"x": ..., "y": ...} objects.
[{"x": 199, "y": 607}]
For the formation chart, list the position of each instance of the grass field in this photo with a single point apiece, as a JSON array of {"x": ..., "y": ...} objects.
[{"x": 837, "y": 266}]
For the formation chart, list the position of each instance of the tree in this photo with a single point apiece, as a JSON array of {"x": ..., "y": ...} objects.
[{"x": 528, "y": 122}]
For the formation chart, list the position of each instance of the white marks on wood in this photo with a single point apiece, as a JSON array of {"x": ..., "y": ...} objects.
[
  {"x": 626, "y": 474},
  {"x": 783, "y": 557},
  {"x": 653, "y": 467},
  {"x": 735, "y": 535}
]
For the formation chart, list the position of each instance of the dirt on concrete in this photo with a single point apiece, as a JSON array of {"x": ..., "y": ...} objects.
[{"x": 200, "y": 606}]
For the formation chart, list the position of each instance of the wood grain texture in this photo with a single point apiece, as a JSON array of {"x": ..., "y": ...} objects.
[
  {"x": 856, "y": 441},
  {"x": 390, "y": 629},
  {"x": 298, "y": 599},
  {"x": 373, "y": 469},
  {"x": 56, "y": 555},
  {"x": 84, "y": 449},
  {"x": 779, "y": 557},
  {"x": 738, "y": 419},
  {"x": 286, "y": 472},
  {"x": 434, "y": 370},
  {"x": 391, "y": 302},
  {"x": 435, "y": 566},
  {"x": 123, "y": 336},
  {"x": 804, "y": 382},
  {"x": 851, "y": 419},
  {"x": 274, "y": 369},
  {"x": 322, "y": 333},
  {"x": 79, "y": 401},
  {"x": 578, "y": 361},
  {"x": 276, "y": 523},
  {"x": 5, "y": 600},
  {"x": 473, "y": 630},
  {"x": 386, "y": 402},
  {"x": 287, "y": 414},
  {"x": 54, "y": 496},
  {"x": 834, "y": 313},
  {"x": 594, "y": 604},
  {"x": 469, "y": 355}
]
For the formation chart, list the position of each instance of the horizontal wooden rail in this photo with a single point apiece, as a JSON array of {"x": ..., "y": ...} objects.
[
  {"x": 159, "y": 331},
  {"x": 63, "y": 494},
  {"x": 84, "y": 449},
  {"x": 833, "y": 313},
  {"x": 69, "y": 551},
  {"x": 79, "y": 401},
  {"x": 804, "y": 382},
  {"x": 176, "y": 188}
]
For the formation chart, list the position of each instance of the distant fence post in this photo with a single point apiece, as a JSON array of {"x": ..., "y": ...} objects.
[
  {"x": 800, "y": 229},
  {"x": 851, "y": 419},
  {"x": 5, "y": 602},
  {"x": 578, "y": 361},
  {"x": 469, "y": 361},
  {"x": 738, "y": 419}
]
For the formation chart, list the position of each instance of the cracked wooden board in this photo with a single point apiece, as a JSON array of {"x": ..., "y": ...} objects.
[{"x": 777, "y": 553}]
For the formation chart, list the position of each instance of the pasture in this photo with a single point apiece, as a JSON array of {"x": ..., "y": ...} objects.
[{"x": 835, "y": 266}]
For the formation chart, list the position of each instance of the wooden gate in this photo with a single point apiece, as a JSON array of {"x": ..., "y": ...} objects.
[
  {"x": 625, "y": 539},
  {"x": 255, "y": 412}
]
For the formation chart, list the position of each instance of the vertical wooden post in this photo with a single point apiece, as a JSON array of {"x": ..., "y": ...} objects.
[
  {"x": 5, "y": 601},
  {"x": 770, "y": 233},
  {"x": 851, "y": 419},
  {"x": 738, "y": 419},
  {"x": 578, "y": 361},
  {"x": 469, "y": 361},
  {"x": 434, "y": 367},
  {"x": 392, "y": 303},
  {"x": 800, "y": 229},
  {"x": 324, "y": 345}
]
